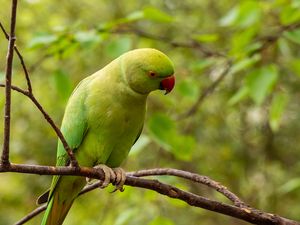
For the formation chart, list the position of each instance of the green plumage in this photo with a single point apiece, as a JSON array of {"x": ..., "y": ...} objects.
[{"x": 103, "y": 118}]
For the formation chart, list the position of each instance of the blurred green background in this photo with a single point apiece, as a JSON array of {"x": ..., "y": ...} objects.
[{"x": 244, "y": 135}]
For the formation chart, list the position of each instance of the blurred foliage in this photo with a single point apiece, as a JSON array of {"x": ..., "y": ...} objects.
[{"x": 244, "y": 135}]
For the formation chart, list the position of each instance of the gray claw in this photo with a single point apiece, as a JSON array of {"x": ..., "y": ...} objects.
[
  {"x": 89, "y": 180},
  {"x": 109, "y": 175},
  {"x": 120, "y": 179},
  {"x": 117, "y": 176}
]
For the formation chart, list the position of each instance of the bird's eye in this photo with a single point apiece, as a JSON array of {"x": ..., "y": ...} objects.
[{"x": 152, "y": 74}]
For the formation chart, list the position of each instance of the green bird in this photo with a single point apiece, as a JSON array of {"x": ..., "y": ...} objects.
[{"x": 103, "y": 118}]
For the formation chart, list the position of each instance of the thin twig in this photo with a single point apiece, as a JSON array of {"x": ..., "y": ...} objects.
[
  {"x": 193, "y": 177},
  {"x": 31, "y": 215},
  {"x": 244, "y": 213},
  {"x": 50, "y": 121},
  {"x": 21, "y": 59},
  {"x": 9, "y": 61},
  {"x": 29, "y": 87},
  {"x": 192, "y": 110},
  {"x": 267, "y": 41},
  {"x": 15, "y": 88},
  {"x": 192, "y": 44},
  {"x": 69, "y": 151},
  {"x": 30, "y": 95}
]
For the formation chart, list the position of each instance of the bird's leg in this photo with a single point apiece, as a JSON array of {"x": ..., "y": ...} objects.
[
  {"x": 120, "y": 179},
  {"x": 109, "y": 175}
]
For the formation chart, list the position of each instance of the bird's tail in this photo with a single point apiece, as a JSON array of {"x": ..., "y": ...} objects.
[{"x": 56, "y": 211}]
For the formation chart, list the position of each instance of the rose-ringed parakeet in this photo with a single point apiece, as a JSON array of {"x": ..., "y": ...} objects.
[{"x": 104, "y": 117}]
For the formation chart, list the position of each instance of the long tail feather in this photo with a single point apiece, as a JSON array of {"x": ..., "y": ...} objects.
[{"x": 56, "y": 212}]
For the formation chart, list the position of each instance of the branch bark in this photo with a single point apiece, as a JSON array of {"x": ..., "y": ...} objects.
[
  {"x": 242, "y": 212},
  {"x": 8, "y": 73},
  {"x": 30, "y": 95},
  {"x": 239, "y": 210}
]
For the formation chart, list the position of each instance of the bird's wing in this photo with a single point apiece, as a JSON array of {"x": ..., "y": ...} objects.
[{"x": 74, "y": 128}]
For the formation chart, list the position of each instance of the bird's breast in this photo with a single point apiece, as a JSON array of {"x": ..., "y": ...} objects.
[{"x": 112, "y": 129}]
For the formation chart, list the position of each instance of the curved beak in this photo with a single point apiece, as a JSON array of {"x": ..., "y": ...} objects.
[{"x": 167, "y": 84}]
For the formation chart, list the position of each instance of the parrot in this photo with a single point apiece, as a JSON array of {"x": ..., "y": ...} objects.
[{"x": 103, "y": 118}]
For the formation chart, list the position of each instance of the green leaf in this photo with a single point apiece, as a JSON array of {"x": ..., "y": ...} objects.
[
  {"x": 161, "y": 221},
  {"x": 157, "y": 15},
  {"x": 241, "y": 41},
  {"x": 240, "y": 95},
  {"x": 164, "y": 132},
  {"x": 294, "y": 65},
  {"x": 250, "y": 13},
  {"x": 261, "y": 81},
  {"x": 296, "y": 3},
  {"x": 86, "y": 36},
  {"x": 118, "y": 46},
  {"x": 278, "y": 104},
  {"x": 188, "y": 88},
  {"x": 243, "y": 15},
  {"x": 290, "y": 186},
  {"x": 63, "y": 84},
  {"x": 230, "y": 18},
  {"x": 42, "y": 40},
  {"x": 200, "y": 65},
  {"x": 206, "y": 37},
  {"x": 183, "y": 146},
  {"x": 134, "y": 16},
  {"x": 161, "y": 128},
  {"x": 244, "y": 64},
  {"x": 293, "y": 36},
  {"x": 284, "y": 47},
  {"x": 289, "y": 15}
]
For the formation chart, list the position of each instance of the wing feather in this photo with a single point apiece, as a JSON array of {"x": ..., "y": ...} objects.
[{"x": 74, "y": 127}]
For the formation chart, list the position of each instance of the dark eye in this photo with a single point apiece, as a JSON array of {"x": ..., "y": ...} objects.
[{"x": 152, "y": 74}]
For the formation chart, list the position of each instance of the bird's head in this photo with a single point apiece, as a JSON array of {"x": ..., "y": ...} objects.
[{"x": 148, "y": 69}]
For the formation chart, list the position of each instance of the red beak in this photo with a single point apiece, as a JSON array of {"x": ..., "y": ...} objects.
[{"x": 167, "y": 84}]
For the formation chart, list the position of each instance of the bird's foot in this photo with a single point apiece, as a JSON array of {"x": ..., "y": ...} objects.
[
  {"x": 109, "y": 175},
  {"x": 120, "y": 179},
  {"x": 116, "y": 175}
]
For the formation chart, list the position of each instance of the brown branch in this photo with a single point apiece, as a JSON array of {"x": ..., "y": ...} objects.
[
  {"x": 243, "y": 212},
  {"x": 9, "y": 61},
  {"x": 50, "y": 121},
  {"x": 267, "y": 41},
  {"x": 32, "y": 214},
  {"x": 30, "y": 95},
  {"x": 69, "y": 151},
  {"x": 193, "y": 177},
  {"x": 15, "y": 88},
  {"x": 21, "y": 59},
  {"x": 29, "y": 87}
]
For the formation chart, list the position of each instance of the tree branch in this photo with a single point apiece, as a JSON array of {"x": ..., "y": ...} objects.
[
  {"x": 30, "y": 95},
  {"x": 49, "y": 120},
  {"x": 193, "y": 177},
  {"x": 271, "y": 39},
  {"x": 8, "y": 73},
  {"x": 21, "y": 59},
  {"x": 242, "y": 212}
]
